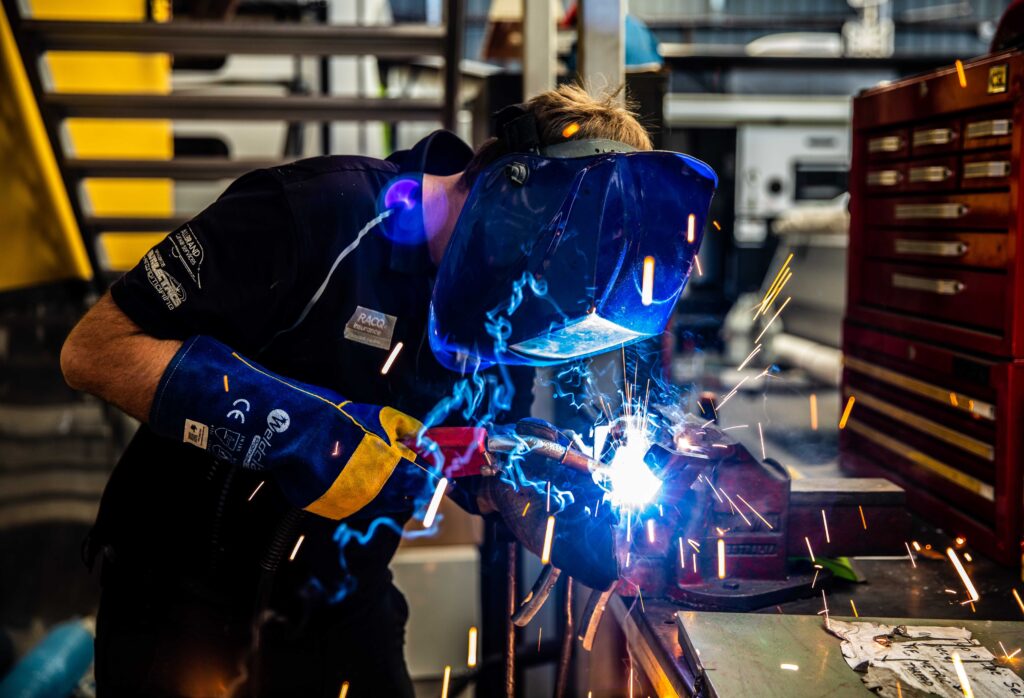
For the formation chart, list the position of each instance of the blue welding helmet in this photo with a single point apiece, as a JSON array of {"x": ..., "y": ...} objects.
[{"x": 547, "y": 260}]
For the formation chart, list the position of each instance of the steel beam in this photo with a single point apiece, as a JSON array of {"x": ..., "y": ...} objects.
[
  {"x": 241, "y": 108},
  {"x": 184, "y": 38},
  {"x": 602, "y": 45},
  {"x": 540, "y": 49}
]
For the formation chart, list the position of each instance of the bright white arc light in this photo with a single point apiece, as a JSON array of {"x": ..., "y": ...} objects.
[{"x": 630, "y": 481}]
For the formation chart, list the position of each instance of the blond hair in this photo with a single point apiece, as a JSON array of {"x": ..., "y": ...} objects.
[{"x": 570, "y": 112}]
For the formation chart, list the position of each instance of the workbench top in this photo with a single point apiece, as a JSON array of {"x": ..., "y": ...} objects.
[{"x": 741, "y": 650}]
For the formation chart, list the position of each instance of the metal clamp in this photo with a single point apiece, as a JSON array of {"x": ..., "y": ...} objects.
[
  {"x": 988, "y": 128},
  {"x": 923, "y": 211},
  {"x": 884, "y": 178},
  {"x": 933, "y": 136},
  {"x": 932, "y": 173},
  {"x": 933, "y": 248},
  {"x": 943, "y": 287},
  {"x": 885, "y": 144},
  {"x": 988, "y": 168}
]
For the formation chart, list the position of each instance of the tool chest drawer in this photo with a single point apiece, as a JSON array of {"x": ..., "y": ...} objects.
[
  {"x": 946, "y": 247},
  {"x": 947, "y": 294},
  {"x": 988, "y": 170},
  {"x": 942, "y": 424},
  {"x": 935, "y": 137},
  {"x": 888, "y": 145},
  {"x": 988, "y": 210},
  {"x": 992, "y": 130}
]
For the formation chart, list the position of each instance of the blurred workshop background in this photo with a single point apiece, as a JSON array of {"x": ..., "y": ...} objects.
[{"x": 123, "y": 118}]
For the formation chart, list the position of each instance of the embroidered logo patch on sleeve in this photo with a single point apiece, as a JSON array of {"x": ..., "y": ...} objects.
[{"x": 371, "y": 327}]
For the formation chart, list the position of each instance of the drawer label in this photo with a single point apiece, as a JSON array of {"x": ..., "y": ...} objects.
[{"x": 998, "y": 78}]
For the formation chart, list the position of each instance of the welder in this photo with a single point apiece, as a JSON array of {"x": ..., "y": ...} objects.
[{"x": 282, "y": 350}]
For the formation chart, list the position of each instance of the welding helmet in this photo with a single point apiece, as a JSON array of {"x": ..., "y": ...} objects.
[{"x": 548, "y": 257}]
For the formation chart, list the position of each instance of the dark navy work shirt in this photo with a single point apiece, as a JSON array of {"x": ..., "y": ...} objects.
[{"x": 243, "y": 271}]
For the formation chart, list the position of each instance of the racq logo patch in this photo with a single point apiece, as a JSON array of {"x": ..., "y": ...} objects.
[
  {"x": 371, "y": 327},
  {"x": 170, "y": 291}
]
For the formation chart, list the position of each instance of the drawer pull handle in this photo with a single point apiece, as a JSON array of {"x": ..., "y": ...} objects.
[
  {"x": 935, "y": 173},
  {"x": 908, "y": 211},
  {"x": 990, "y": 168},
  {"x": 885, "y": 144},
  {"x": 933, "y": 136},
  {"x": 990, "y": 128},
  {"x": 934, "y": 248},
  {"x": 943, "y": 287},
  {"x": 884, "y": 178}
]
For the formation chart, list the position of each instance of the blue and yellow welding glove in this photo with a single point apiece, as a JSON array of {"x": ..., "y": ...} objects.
[{"x": 328, "y": 455}]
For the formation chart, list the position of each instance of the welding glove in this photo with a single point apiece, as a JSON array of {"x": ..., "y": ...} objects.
[
  {"x": 327, "y": 455},
  {"x": 583, "y": 541}
]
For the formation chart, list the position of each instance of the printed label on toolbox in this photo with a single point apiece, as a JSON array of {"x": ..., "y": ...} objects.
[
  {"x": 998, "y": 78},
  {"x": 196, "y": 433},
  {"x": 371, "y": 327}
]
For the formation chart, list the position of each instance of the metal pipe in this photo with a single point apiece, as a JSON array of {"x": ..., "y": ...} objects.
[
  {"x": 510, "y": 627},
  {"x": 568, "y": 636}
]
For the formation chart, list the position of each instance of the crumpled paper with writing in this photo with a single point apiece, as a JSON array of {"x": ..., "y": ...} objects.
[{"x": 913, "y": 661}]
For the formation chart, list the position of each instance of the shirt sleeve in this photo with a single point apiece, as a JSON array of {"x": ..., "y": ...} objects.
[{"x": 225, "y": 273}]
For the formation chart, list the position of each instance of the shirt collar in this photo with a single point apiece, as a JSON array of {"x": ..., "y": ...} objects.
[{"x": 441, "y": 153}]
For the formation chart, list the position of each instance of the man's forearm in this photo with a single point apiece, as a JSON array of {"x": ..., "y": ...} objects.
[{"x": 109, "y": 356}]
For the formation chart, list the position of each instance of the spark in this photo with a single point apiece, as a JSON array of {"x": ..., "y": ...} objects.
[
  {"x": 545, "y": 556},
  {"x": 298, "y": 544},
  {"x": 256, "y": 490},
  {"x": 570, "y": 130},
  {"x": 911, "y": 554},
  {"x": 965, "y": 683},
  {"x": 825, "y": 521},
  {"x": 960, "y": 72},
  {"x": 717, "y": 226},
  {"x": 917, "y": 546},
  {"x": 647, "y": 287},
  {"x": 435, "y": 502},
  {"x": 693, "y": 544},
  {"x": 742, "y": 515},
  {"x": 846, "y": 412},
  {"x": 863, "y": 521},
  {"x": 789, "y": 667},
  {"x": 540, "y": 634},
  {"x": 696, "y": 260},
  {"x": 682, "y": 555},
  {"x": 650, "y": 530},
  {"x": 630, "y": 681},
  {"x": 814, "y": 411},
  {"x": 953, "y": 400},
  {"x": 548, "y": 509},
  {"x": 817, "y": 570},
  {"x": 691, "y": 225},
  {"x": 825, "y": 611},
  {"x": 968, "y": 585},
  {"x": 854, "y": 607},
  {"x": 763, "y": 305},
  {"x": 967, "y": 556},
  {"x": 749, "y": 357},
  {"x": 471, "y": 655},
  {"x": 526, "y": 509},
  {"x": 640, "y": 596},
  {"x": 391, "y": 359},
  {"x": 960, "y": 540},
  {"x": 756, "y": 513},
  {"x": 721, "y": 558},
  {"x": 226, "y": 383},
  {"x": 444, "y": 682},
  {"x": 899, "y": 690},
  {"x": 760, "y": 433},
  {"x": 694, "y": 558},
  {"x": 731, "y": 393},
  {"x": 343, "y": 693},
  {"x": 808, "y": 541},
  {"x": 600, "y": 437},
  {"x": 1019, "y": 602},
  {"x": 777, "y": 313}
]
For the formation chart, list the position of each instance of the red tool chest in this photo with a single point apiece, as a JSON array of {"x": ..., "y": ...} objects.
[{"x": 934, "y": 331}]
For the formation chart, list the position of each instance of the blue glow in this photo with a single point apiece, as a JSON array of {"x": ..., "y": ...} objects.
[{"x": 403, "y": 196}]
